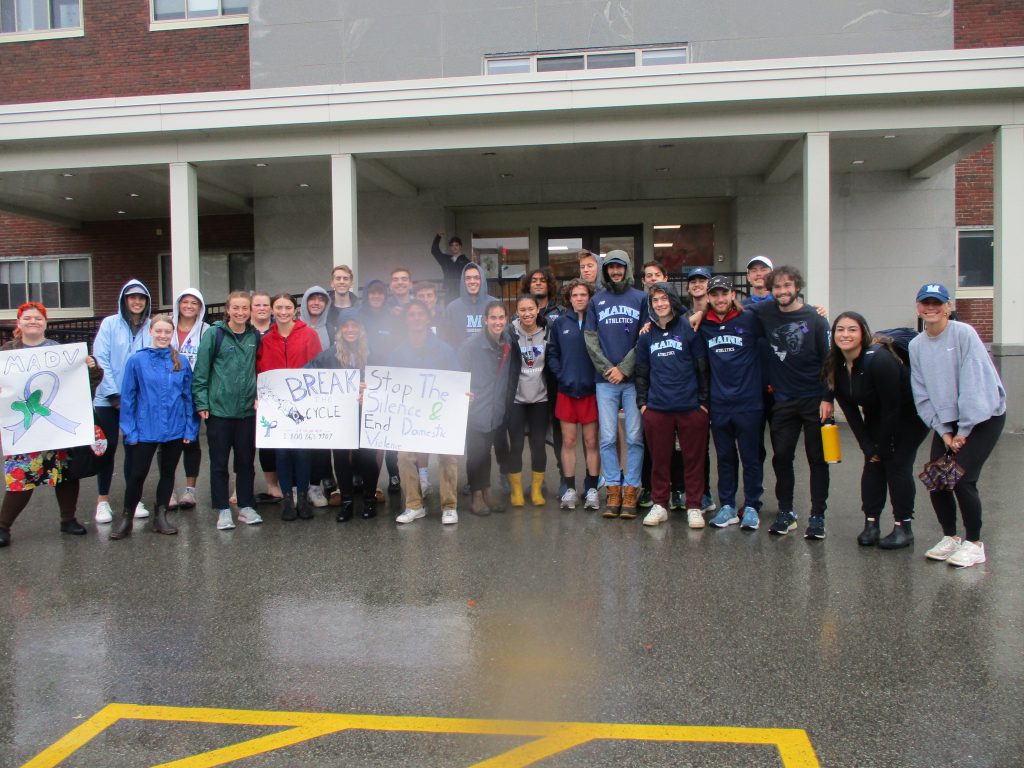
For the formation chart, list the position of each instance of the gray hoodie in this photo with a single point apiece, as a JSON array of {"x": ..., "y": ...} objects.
[
  {"x": 465, "y": 315},
  {"x": 319, "y": 324}
]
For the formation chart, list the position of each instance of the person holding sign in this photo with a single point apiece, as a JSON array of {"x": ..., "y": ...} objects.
[
  {"x": 488, "y": 358},
  {"x": 156, "y": 414},
  {"x": 290, "y": 344},
  {"x": 24, "y": 472},
  {"x": 422, "y": 349},
  {"x": 224, "y": 395},
  {"x": 351, "y": 350}
]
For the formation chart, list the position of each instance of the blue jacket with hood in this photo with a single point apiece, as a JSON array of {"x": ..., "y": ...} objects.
[
  {"x": 156, "y": 400},
  {"x": 115, "y": 343},
  {"x": 189, "y": 348},
  {"x": 671, "y": 362},
  {"x": 465, "y": 315},
  {"x": 614, "y": 319},
  {"x": 568, "y": 358}
]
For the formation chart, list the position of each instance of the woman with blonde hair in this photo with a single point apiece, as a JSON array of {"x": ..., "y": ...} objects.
[{"x": 156, "y": 414}]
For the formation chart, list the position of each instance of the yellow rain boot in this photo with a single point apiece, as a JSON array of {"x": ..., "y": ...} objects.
[
  {"x": 536, "y": 492},
  {"x": 515, "y": 492}
]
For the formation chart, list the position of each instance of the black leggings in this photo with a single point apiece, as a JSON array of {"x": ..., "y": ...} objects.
[
  {"x": 192, "y": 457},
  {"x": 109, "y": 419},
  {"x": 15, "y": 502},
  {"x": 972, "y": 458},
  {"x": 894, "y": 474},
  {"x": 141, "y": 459},
  {"x": 523, "y": 417},
  {"x": 364, "y": 462}
]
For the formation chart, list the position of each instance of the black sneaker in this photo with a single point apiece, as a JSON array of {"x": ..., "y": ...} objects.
[
  {"x": 646, "y": 502},
  {"x": 815, "y": 527},
  {"x": 784, "y": 523},
  {"x": 394, "y": 485}
]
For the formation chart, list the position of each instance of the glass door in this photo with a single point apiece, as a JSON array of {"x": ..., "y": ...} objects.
[{"x": 560, "y": 246}]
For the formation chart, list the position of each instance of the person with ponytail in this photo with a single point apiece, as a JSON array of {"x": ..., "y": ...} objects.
[
  {"x": 156, "y": 414},
  {"x": 24, "y": 472}
]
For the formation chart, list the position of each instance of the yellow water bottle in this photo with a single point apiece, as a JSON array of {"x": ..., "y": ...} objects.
[{"x": 830, "y": 442}]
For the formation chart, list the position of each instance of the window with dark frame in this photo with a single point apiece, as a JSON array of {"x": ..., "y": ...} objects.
[
  {"x": 975, "y": 258},
  {"x": 18, "y": 16},
  {"x": 58, "y": 283}
]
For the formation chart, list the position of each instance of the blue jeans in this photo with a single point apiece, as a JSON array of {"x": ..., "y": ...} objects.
[{"x": 610, "y": 398}]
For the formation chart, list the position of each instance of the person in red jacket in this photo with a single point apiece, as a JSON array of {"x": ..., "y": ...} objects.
[{"x": 290, "y": 343}]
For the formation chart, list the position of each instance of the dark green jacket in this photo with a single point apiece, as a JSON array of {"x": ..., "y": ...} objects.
[{"x": 226, "y": 386}]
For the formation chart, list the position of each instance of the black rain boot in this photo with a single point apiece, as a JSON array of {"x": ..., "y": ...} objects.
[
  {"x": 902, "y": 536},
  {"x": 369, "y": 507},
  {"x": 122, "y": 527},
  {"x": 288, "y": 508},
  {"x": 73, "y": 527},
  {"x": 305, "y": 510},
  {"x": 344, "y": 511},
  {"x": 5, "y": 537},
  {"x": 869, "y": 536},
  {"x": 160, "y": 523}
]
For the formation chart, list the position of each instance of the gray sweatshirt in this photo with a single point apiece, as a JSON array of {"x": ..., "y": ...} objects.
[
  {"x": 954, "y": 380},
  {"x": 532, "y": 386}
]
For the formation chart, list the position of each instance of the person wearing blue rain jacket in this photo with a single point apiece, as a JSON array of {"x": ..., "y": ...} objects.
[{"x": 156, "y": 413}]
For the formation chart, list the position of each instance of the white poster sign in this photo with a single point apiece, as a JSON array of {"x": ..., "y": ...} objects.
[
  {"x": 307, "y": 408},
  {"x": 412, "y": 409},
  {"x": 45, "y": 401}
]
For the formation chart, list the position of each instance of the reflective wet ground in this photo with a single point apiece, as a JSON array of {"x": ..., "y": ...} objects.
[{"x": 883, "y": 658}]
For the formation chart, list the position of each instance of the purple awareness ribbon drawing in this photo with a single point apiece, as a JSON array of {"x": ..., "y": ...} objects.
[{"x": 33, "y": 407}]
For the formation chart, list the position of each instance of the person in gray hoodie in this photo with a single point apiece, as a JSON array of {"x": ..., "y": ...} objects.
[
  {"x": 958, "y": 394},
  {"x": 465, "y": 315},
  {"x": 189, "y": 326},
  {"x": 314, "y": 312}
]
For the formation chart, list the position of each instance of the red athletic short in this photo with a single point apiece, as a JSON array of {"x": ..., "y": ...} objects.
[{"x": 576, "y": 410}]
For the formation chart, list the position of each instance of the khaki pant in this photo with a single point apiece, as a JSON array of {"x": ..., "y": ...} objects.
[{"x": 409, "y": 474}]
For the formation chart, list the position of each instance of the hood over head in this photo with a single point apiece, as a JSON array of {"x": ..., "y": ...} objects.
[
  {"x": 318, "y": 324},
  {"x": 134, "y": 286},
  {"x": 678, "y": 308},
  {"x": 463, "y": 293},
  {"x": 617, "y": 257},
  {"x": 379, "y": 287},
  {"x": 176, "y": 311},
  {"x": 190, "y": 345}
]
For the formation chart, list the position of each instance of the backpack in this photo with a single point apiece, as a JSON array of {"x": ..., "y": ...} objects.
[
  {"x": 897, "y": 341},
  {"x": 218, "y": 339}
]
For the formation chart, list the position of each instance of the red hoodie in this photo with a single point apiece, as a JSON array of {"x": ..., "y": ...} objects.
[{"x": 294, "y": 351}]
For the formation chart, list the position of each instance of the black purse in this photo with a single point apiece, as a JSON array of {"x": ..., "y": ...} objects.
[{"x": 84, "y": 460}]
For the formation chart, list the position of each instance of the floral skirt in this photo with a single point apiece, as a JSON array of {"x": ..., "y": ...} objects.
[{"x": 25, "y": 471}]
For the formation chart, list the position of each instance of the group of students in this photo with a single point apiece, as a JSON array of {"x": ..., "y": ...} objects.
[{"x": 644, "y": 379}]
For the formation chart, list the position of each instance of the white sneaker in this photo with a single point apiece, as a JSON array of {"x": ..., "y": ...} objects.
[
  {"x": 968, "y": 554},
  {"x": 141, "y": 512},
  {"x": 592, "y": 500},
  {"x": 249, "y": 516},
  {"x": 411, "y": 514},
  {"x": 224, "y": 521},
  {"x": 658, "y": 514},
  {"x": 316, "y": 496},
  {"x": 104, "y": 514},
  {"x": 449, "y": 517},
  {"x": 172, "y": 503},
  {"x": 187, "y": 500},
  {"x": 945, "y": 548},
  {"x": 569, "y": 499},
  {"x": 695, "y": 518}
]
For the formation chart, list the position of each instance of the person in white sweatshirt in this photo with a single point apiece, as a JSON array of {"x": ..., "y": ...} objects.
[
  {"x": 188, "y": 316},
  {"x": 958, "y": 394}
]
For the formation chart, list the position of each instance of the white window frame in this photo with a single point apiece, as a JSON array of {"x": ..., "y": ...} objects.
[
  {"x": 220, "y": 20},
  {"x": 47, "y": 34},
  {"x": 973, "y": 292},
  {"x": 534, "y": 56},
  {"x": 56, "y": 313}
]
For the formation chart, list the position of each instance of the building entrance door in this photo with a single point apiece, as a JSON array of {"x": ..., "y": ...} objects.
[{"x": 560, "y": 246}]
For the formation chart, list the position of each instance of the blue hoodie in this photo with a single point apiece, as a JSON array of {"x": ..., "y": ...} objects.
[
  {"x": 465, "y": 315},
  {"x": 671, "y": 363},
  {"x": 614, "y": 319},
  {"x": 156, "y": 400},
  {"x": 568, "y": 358},
  {"x": 734, "y": 345},
  {"x": 115, "y": 343}
]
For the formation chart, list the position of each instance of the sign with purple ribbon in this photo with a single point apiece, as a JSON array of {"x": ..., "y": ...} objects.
[{"x": 45, "y": 402}]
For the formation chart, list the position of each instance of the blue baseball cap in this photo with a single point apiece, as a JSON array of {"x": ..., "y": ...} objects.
[
  {"x": 933, "y": 291},
  {"x": 704, "y": 272}
]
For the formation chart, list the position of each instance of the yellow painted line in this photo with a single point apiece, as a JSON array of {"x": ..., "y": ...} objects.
[{"x": 548, "y": 738}]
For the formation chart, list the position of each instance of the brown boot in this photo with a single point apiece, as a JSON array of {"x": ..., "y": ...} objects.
[
  {"x": 629, "y": 495},
  {"x": 614, "y": 501},
  {"x": 122, "y": 527},
  {"x": 160, "y": 523}
]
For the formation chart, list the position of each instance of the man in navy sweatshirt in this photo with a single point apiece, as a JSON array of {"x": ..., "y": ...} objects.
[
  {"x": 799, "y": 340},
  {"x": 732, "y": 337},
  {"x": 612, "y": 327}
]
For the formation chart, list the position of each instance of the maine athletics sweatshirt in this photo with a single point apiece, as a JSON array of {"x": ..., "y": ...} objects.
[{"x": 734, "y": 356}]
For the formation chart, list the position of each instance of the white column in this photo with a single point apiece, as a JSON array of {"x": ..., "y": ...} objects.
[
  {"x": 184, "y": 228},
  {"x": 817, "y": 218},
  {"x": 1008, "y": 308},
  {"x": 344, "y": 214}
]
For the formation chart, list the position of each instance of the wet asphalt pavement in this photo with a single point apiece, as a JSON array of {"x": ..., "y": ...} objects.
[{"x": 883, "y": 658}]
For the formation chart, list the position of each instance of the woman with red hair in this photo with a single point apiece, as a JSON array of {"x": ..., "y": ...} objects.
[{"x": 24, "y": 472}]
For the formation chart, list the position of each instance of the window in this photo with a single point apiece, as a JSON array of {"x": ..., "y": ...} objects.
[
  {"x": 975, "y": 258},
  {"x": 181, "y": 10},
  {"x": 60, "y": 282},
  {"x": 563, "y": 61},
  {"x": 26, "y": 16}
]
